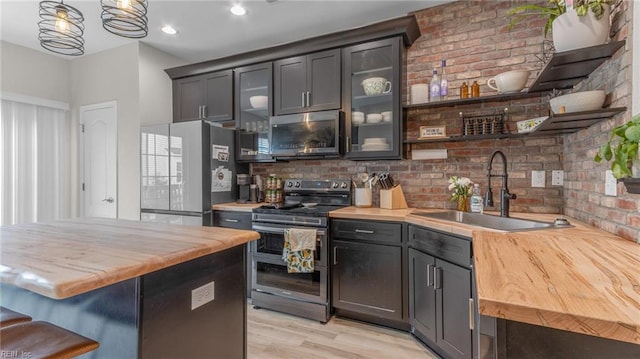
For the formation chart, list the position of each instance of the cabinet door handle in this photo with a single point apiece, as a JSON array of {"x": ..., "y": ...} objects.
[
  {"x": 302, "y": 99},
  {"x": 231, "y": 220},
  {"x": 308, "y": 102},
  {"x": 348, "y": 144},
  {"x": 429, "y": 276},
  {"x": 437, "y": 274},
  {"x": 204, "y": 111},
  {"x": 335, "y": 255},
  {"x": 366, "y": 231},
  {"x": 472, "y": 317}
]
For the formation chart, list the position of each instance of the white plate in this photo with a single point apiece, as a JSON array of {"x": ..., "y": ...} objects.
[
  {"x": 375, "y": 147},
  {"x": 375, "y": 141},
  {"x": 309, "y": 205}
]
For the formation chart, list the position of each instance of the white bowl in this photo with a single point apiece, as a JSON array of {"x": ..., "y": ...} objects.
[
  {"x": 357, "y": 121},
  {"x": 374, "y": 118},
  {"x": 578, "y": 101},
  {"x": 386, "y": 116},
  {"x": 259, "y": 101}
]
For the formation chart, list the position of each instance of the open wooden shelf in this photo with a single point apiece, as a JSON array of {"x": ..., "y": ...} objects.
[
  {"x": 556, "y": 124},
  {"x": 470, "y": 100},
  {"x": 566, "y": 69}
]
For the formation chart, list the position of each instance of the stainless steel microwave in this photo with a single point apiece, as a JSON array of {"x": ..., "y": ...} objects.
[{"x": 306, "y": 134}]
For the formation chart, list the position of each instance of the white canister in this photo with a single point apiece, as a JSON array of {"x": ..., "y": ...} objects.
[
  {"x": 364, "y": 197},
  {"x": 419, "y": 93}
]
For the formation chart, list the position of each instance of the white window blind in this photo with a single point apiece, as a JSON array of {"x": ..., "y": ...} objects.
[{"x": 35, "y": 163}]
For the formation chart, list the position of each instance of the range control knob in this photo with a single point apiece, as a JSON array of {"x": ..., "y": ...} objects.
[
  {"x": 297, "y": 185},
  {"x": 289, "y": 184},
  {"x": 343, "y": 185},
  {"x": 334, "y": 185}
]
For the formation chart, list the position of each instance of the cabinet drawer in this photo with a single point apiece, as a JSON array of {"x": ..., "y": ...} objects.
[
  {"x": 367, "y": 230},
  {"x": 441, "y": 245},
  {"x": 231, "y": 219}
]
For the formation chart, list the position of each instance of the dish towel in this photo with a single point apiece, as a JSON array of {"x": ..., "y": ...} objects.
[{"x": 298, "y": 250}]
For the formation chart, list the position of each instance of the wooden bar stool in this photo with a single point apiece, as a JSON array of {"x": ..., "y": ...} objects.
[
  {"x": 44, "y": 340},
  {"x": 9, "y": 317}
]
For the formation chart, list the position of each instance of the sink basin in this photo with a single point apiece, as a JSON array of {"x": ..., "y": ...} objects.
[{"x": 493, "y": 222}]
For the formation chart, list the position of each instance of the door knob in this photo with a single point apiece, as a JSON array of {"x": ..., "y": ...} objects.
[{"x": 108, "y": 200}]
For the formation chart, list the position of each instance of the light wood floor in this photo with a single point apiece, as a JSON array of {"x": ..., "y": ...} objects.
[{"x": 281, "y": 336}]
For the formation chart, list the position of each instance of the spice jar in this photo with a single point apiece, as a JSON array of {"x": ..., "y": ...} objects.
[
  {"x": 475, "y": 89},
  {"x": 464, "y": 90}
]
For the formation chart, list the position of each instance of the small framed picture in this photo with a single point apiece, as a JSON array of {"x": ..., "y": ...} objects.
[{"x": 433, "y": 131}]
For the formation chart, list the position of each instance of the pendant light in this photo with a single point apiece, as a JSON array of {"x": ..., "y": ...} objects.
[
  {"x": 61, "y": 28},
  {"x": 126, "y": 18}
]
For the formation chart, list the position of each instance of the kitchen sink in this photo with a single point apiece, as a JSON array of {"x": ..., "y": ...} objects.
[{"x": 494, "y": 222}]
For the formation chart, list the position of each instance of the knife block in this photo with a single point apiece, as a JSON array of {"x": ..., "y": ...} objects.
[{"x": 392, "y": 198}]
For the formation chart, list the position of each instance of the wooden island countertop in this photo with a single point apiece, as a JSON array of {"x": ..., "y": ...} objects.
[
  {"x": 580, "y": 279},
  {"x": 64, "y": 258}
]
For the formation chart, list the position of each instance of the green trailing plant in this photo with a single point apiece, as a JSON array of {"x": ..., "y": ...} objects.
[
  {"x": 622, "y": 147},
  {"x": 555, "y": 8}
]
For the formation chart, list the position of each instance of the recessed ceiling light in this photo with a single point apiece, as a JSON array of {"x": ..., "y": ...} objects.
[
  {"x": 238, "y": 10},
  {"x": 168, "y": 29}
]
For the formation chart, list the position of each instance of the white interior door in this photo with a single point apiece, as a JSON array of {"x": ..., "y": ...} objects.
[{"x": 99, "y": 149}]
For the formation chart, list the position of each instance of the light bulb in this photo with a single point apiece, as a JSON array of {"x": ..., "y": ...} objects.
[
  {"x": 62, "y": 20},
  {"x": 123, "y": 4},
  {"x": 238, "y": 10}
]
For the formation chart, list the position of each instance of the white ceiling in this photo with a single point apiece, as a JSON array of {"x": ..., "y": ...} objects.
[{"x": 207, "y": 30}]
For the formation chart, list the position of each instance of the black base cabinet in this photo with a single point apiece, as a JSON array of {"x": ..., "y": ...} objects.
[
  {"x": 236, "y": 220},
  {"x": 368, "y": 272},
  {"x": 441, "y": 308}
]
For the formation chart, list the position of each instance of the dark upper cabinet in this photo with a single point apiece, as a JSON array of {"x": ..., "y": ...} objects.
[
  {"x": 372, "y": 84},
  {"x": 253, "y": 89},
  {"x": 208, "y": 96},
  {"x": 307, "y": 83}
]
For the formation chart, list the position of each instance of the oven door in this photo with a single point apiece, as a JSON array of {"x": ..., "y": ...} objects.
[
  {"x": 271, "y": 242},
  {"x": 270, "y": 275},
  {"x": 304, "y": 134}
]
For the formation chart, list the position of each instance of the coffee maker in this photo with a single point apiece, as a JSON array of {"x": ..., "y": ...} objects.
[{"x": 244, "y": 187}]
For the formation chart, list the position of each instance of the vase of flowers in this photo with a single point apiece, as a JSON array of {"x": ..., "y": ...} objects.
[{"x": 462, "y": 189}]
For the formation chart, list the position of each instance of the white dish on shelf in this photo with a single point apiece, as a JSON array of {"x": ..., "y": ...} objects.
[
  {"x": 531, "y": 124},
  {"x": 258, "y": 101},
  {"x": 375, "y": 140},
  {"x": 375, "y": 147},
  {"x": 386, "y": 116},
  {"x": 374, "y": 118}
]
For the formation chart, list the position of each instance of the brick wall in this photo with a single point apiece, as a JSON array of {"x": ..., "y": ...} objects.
[{"x": 474, "y": 38}]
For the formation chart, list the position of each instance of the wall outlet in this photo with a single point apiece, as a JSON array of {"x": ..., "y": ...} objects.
[
  {"x": 557, "y": 178},
  {"x": 202, "y": 295},
  {"x": 537, "y": 179},
  {"x": 610, "y": 184}
]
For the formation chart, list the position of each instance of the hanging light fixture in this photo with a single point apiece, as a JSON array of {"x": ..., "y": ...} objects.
[
  {"x": 61, "y": 28},
  {"x": 127, "y": 18}
]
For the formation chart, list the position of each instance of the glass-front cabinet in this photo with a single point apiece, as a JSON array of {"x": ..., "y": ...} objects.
[
  {"x": 372, "y": 83},
  {"x": 253, "y": 107}
]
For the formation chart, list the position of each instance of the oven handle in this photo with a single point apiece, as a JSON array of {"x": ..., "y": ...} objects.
[
  {"x": 319, "y": 221},
  {"x": 264, "y": 229}
]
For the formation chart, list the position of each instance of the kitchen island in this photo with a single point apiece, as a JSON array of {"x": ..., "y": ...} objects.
[{"x": 141, "y": 289}]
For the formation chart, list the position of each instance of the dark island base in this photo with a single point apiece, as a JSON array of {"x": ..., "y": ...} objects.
[
  {"x": 151, "y": 316},
  {"x": 526, "y": 341}
]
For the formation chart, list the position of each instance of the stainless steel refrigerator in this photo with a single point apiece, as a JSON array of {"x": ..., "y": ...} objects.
[{"x": 185, "y": 168}]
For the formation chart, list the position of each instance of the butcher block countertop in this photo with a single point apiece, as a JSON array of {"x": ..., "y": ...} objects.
[
  {"x": 579, "y": 279},
  {"x": 65, "y": 258},
  {"x": 236, "y": 207}
]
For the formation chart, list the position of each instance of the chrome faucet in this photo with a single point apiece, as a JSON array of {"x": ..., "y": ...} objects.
[{"x": 505, "y": 196}]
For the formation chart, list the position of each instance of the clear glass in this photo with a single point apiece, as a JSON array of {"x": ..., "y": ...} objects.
[
  {"x": 372, "y": 119},
  {"x": 254, "y": 114}
]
